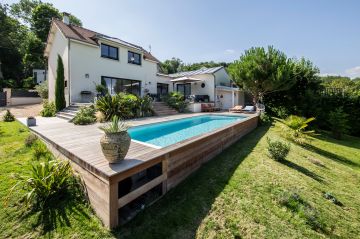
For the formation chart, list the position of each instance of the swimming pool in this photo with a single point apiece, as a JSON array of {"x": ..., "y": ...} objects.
[{"x": 171, "y": 132}]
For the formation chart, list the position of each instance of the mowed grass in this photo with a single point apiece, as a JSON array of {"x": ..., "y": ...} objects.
[
  {"x": 66, "y": 218},
  {"x": 238, "y": 194}
]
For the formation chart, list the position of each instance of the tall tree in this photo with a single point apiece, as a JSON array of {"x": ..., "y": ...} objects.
[
  {"x": 75, "y": 21},
  {"x": 23, "y": 9},
  {"x": 33, "y": 56},
  {"x": 60, "y": 102},
  {"x": 199, "y": 65},
  {"x": 261, "y": 72},
  {"x": 11, "y": 35},
  {"x": 41, "y": 19},
  {"x": 171, "y": 66}
]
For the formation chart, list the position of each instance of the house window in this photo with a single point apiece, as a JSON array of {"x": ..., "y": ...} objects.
[
  {"x": 162, "y": 89},
  {"x": 184, "y": 89},
  {"x": 116, "y": 85},
  {"x": 109, "y": 52},
  {"x": 134, "y": 58}
]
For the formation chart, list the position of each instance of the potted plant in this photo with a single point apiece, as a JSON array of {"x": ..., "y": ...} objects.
[
  {"x": 116, "y": 141},
  {"x": 31, "y": 121}
]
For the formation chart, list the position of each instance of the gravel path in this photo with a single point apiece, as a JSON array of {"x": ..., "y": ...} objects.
[{"x": 22, "y": 110}]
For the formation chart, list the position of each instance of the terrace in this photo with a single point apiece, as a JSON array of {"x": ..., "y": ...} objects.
[{"x": 151, "y": 171}]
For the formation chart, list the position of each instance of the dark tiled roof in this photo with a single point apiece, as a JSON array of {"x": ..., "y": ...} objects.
[{"x": 90, "y": 37}]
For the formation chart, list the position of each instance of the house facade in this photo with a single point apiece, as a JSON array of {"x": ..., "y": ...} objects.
[{"x": 91, "y": 58}]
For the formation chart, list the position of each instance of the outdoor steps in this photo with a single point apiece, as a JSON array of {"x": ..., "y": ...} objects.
[
  {"x": 161, "y": 109},
  {"x": 69, "y": 112}
]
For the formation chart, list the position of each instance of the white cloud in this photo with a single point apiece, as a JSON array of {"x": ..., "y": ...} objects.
[
  {"x": 229, "y": 51},
  {"x": 329, "y": 74},
  {"x": 353, "y": 72}
]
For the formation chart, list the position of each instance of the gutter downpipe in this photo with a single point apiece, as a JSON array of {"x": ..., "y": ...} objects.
[
  {"x": 214, "y": 89},
  {"x": 69, "y": 83}
]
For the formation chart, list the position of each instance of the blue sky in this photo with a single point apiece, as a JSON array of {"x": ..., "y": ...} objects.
[{"x": 324, "y": 31}]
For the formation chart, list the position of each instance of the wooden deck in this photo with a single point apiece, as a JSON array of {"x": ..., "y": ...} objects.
[{"x": 81, "y": 144}]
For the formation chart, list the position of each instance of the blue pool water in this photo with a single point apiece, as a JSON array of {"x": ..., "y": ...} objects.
[{"x": 171, "y": 132}]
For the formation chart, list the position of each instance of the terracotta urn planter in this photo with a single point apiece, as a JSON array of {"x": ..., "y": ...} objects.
[{"x": 115, "y": 146}]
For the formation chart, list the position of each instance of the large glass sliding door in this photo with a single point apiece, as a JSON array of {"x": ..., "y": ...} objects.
[
  {"x": 185, "y": 89},
  {"x": 162, "y": 89},
  {"x": 116, "y": 85}
]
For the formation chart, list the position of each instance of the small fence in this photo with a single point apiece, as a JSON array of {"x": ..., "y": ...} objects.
[
  {"x": 2, "y": 99},
  {"x": 23, "y": 93},
  {"x": 19, "y": 97}
]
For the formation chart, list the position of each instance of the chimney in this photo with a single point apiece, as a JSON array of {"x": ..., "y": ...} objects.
[{"x": 66, "y": 18}]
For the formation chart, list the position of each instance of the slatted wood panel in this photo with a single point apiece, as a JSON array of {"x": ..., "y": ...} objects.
[{"x": 187, "y": 159}]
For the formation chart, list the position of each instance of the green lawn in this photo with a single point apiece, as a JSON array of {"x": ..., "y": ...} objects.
[{"x": 236, "y": 195}]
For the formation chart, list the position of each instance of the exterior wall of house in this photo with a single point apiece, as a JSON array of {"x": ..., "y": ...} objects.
[
  {"x": 59, "y": 47},
  {"x": 222, "y": 78},
  {"x": 209, "y": 88},
  {"x": 87, "y": 67}
]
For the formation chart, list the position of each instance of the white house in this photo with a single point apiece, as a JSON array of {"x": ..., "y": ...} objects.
[
  {"x": 92, "y": 58},
  {"x": 208, "y": 85}
]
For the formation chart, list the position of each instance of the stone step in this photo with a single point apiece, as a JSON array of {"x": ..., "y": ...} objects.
[
  {"x": 166, "y": 111},
  {"x": 81, "y": 104},
  {"x": 63, "y": 116},
  {"x": 70, "y": 114},
  {"x": 70, "y": 110}
]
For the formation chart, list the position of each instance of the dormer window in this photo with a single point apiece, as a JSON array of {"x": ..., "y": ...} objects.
[
  {"x": 109, "y": 52},
  {"x": 134, "y": 58}
]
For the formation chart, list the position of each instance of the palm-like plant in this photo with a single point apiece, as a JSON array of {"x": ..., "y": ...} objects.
[
  {"x": 115, "y": 126},
  {"x": 46, "y": 180},
  {"x": 296, "y": 128}
]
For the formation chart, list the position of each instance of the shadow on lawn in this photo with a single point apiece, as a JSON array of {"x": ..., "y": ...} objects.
[
  {"x": 303, "y": 170},
  {"x": 347, "y": 140},
  {"x": 331, "y": 155},
  {"x": 56, "y": 213},
  {"x": 179, "y": 213}
]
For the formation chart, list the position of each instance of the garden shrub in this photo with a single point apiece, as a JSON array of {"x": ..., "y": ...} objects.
[
  {"x": 123, "y": 105},
  {"x": 146, "y": 108},
  {"x": 41, "y": 151},
  {"x": 43, "y": 90},
  {"x": 86, "y": 115},
  {"x": 295, "y": 128},
  {"x": 8, "y": 116},
  {"x": 45, "y": 181},
  {"x": 100, "y": 117},
  {"x": 277, "y": 150},
  {"x": 176, "y": 100},
  {"x": 265, "y": 119},
  {"x": 297, "y": 205},
  {"x": 280, "y": 112},
  {"x": 49, "y": 109},
  {"x": 338, "y": 121},
  {"x": 30, "y": 140},
  {"x": 29, "y": 82},
  {"x": 101, "y": 89}
]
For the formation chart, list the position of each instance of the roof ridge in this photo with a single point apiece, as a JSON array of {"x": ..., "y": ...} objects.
[{"x": 73, "y": 25}]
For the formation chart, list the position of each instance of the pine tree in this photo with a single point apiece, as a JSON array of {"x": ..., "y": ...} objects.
[{"x": 60, "y": 102}]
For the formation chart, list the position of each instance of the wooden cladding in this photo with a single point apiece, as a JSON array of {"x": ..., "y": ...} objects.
[{"x": 185, "y": 160}]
